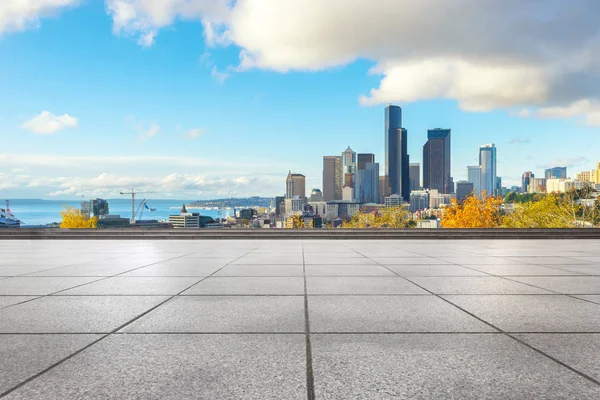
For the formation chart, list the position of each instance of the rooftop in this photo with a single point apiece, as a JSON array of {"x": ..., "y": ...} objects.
[{"x": 300, "y": 319}]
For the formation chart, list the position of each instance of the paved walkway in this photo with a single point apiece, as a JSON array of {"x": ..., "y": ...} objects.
[{"x": 300, "y": 319}]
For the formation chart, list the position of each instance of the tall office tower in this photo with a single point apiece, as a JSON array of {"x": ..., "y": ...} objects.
[
  {"x": 333, "y": 177},
  {"x": 498, "y": 189},
  {"x": 436, "y": 161},
  {"x": 289, "y": 186},
  {"x": 299, "y": 185},
  {"x": 526, "y": 181},
  {"x": 463, "y": 190},
  {"x": 487, "y": 162},
  {"x": 349, "y": 161},
  {"x": 414, "y": 176},
  {"x": 364, "y": 158},
  {"x": 366, "y": 184},
  {"x": 556, "y": 172},
  {"x": 474, "y": 176},
  {"x": 384, "y": 188},
  {"x": 396, "y": 153}
]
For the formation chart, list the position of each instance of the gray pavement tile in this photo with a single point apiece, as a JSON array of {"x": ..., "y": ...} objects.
[
  {"x": 347, "y": 270},
  {"x": 248, "y": 286},
  {"x": 339, "y": 261},
  {"x": 588, "y": 269},
  {"x": 474, "y": 285},
  {"x": 225, "y": 314},
  {"x": 564, "y": 284},
  {"x": 544, "y": 260},
  {"x": 85, "y": 270},
  {"x": 478, "y": 260},
  {"x": 133, "y": 286},
  {"x": 39, "y": 285},
  {"x": 531, "y": 313},
  {"x": 590, "y": 297},
  {"x": 74, "y": 314},
  {"x": 434, "y": 270},
  {"x": 193, "y": 262},
  {"x": 180, "y": 270},
  {"x": 268, "y": 261},
  {"x": 261, "y": 270},
  {"x": 521, "y": 270},
  {"x": 409, "y": 261},
  {"x": 12, "y": 270},
  {"x": 579, "y": 351},
  {"x": 361, "y": 285},
  {"x": 6, "y": 301},
  {"x": 23, "y": 356},
  {"x": 440, "y": 366},
  {"x": 388, "y": 314},
  {"x": 175, "y": 367}
]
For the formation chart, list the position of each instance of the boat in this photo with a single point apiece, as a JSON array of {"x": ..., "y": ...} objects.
[{"x": 7, "y": 219}]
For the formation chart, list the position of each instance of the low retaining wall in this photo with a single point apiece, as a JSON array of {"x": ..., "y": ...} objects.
[{"x": 273, "y": 234}]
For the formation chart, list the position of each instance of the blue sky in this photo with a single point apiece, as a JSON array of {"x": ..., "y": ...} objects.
[{"x": 208, "y": 98}]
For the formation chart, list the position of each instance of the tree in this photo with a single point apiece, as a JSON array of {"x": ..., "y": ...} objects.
[
  {"x": 74, "y": 218},
  {"x": 549, "y": 212},
  {"x": 296, "y": 222},
  {"x": 389, "y": 217},
  {"x": 474, "y": 212},
  {"x": 510, "y": 197}
]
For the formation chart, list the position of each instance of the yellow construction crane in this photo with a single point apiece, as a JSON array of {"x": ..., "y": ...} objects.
[{"x": 133, "y": 193}]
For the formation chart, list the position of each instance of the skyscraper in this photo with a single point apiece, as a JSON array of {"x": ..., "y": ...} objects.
[
  {"x": 349, "y": 161},
  {"x": 556, "y": 172},
  {"x": 526, "y": 181},
  {"x": 366, "y": 187},
  {"x": 474, "y": 176},
  {"x": 333, "y": 177},
  {"x": 364, "y": 158},
  {"x": 396, "y": 153},
  {"x": 289, "y": 186},
  {"x": 487, "y": 162},
  {"x": 436, "y": 161},
  {"x": 415, "y": 176},
  {"x": 299, "y": 185},
  {"x": 463, "y": 190}
]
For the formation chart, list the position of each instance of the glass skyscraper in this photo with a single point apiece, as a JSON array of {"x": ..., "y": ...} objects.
[
  {"x": 556, "y": 172},
  {"x": 487, "y": 162},
  {"x": 396, "y": 153},
  {"x": 436, "y": 161}
]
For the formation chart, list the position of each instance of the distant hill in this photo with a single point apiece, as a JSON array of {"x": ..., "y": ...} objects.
[{"x": 254, "y": 201}]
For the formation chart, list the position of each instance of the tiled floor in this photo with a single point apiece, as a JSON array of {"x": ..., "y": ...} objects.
[{"x": 300, "y": 319}]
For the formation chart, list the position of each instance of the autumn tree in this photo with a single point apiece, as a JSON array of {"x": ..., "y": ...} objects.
[
  {"x": 389, "y": 217},
  {"x": 474, "y": 212},
  {"x": 295, "y": 222},
  {"x": 74, "y": 218}
]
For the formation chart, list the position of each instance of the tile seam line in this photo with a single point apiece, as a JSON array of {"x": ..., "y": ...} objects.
[
  {"x": 61, "y": 361},
  {"x": 310, "y": 382},
  {"x": 511, "y": 336}
]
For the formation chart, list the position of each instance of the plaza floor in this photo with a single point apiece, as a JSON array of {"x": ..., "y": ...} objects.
[{"x": 292, "y": 319}]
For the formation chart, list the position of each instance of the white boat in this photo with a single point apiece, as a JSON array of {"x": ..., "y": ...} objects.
[{"x": 7, "y": 219}]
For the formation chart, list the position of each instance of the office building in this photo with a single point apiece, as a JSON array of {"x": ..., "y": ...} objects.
[
  {"x": 366, "y": 185},
  {"x": 364, "y": 158},
  {"x": 393, "y": 200},
  {"x": 537, "y": 185},
  {"x": 464, "y": 189},
  {"x": 419, "y": 200},
  {"x": 289, "y": 186},
  {"x": 279, "y": 203},
  {"x": 585, "y": 176},
  {"x": 556, "y": 173},
  {"x": 595, "y": 175},
  {"x": 555, "y": 185},
  {"x": 498, "y": 189},
  {"x": 488, "y": 162},
  {"x": 437, "y": 199},
  {"x": 474, "y": 177},
  {"x": 316, "y": 195},
  {"x": 299, "y": 185},
  {"x": 436, "y": 161},
  {"x": 384, "y": 188},
  {"x": 414, "y": 174},
  {"x": 526, "y": 181},
  {"x": 349, "y": 161},
  {"x": 333, "y": 176},
  {"x": 396, "y": 153}
]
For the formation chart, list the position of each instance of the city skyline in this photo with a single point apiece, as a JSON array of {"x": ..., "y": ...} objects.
[{"x": 190, "y": 102}]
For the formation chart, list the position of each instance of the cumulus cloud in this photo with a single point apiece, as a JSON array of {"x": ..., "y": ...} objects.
[
  {"x": 18, "y": 15},
  {"x": 152, "y": 130},
  {"x": 193, "y": 133},
  {"x": 219, "y": 76},
  {"x": 519, "y": 141},
  {"x": 46, "y": 123}
]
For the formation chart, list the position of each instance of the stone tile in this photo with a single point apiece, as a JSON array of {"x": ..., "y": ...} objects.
[
  {"x": 434, "y": 270},
  {"x": 564, "y": 284},
  {"x": 225, "y": 314},
  {"x": 268, "y": 261},
  {"x": 409, "y": 261},
  {"x": 589, "y": 297},
  {"x": 6, "y": 301},
  {"x": 588, "y": 269},
  {"x": 474, "y": 285},
  {"x": 347, "y": 270},
  {"x": 388, "y": 314},
  {"x": 248, "y": 286},
  {"x": 479, "y": 260},
  {"x": 261, "y": 270},
  {"x": 16, "y": 270},
  {"x": 579, "y": 351},
  {"x": 530, "y": 313},
  {"x": 420, "y": 366},
  {"x": 74, "y": 314},
  {"x": 39, "y": 285},
  {"x": 23, "y": 356},
  {"x": 133, "y": 286},
  {"x": 193, "y": 262},
  {"x": 180, "y": 270},
  {"x": 521, "y": 270},
  {"x": 556, "y": 260},
  {"x": 85, "y": 270},
  {"x": 339, "y": 261},
  {"x": 174, "y": 367},
  {"x": 361, "y": 285}
]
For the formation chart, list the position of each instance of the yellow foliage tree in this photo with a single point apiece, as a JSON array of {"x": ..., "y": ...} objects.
[
  {"x": 390, "y": 217},
  {"x": 74, "y": 218},
  {"x": 295, "y": 222},
  {"x": 549, "y": 212},
  {"x": 474, "y": 212}
]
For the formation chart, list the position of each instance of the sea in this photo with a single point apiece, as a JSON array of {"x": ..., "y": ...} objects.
[{"x": 34, "y": 212}]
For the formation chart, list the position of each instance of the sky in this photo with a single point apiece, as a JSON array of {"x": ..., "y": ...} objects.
[{"x": 220, "y": 98}]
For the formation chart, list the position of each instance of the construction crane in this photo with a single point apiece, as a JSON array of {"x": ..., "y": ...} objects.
[{"x": 133, "y": 211}]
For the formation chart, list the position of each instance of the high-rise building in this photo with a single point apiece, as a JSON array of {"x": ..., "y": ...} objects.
[
  {"x": 366, "y": 186},
  {"x": 464, "y": 189},
  {"x": 419, "y": 200},
  {"x": 364, "y": 158},
  {"x": 279, "y": 202},
  {"x": 414, "y": 176},
  {"x": 349, "y": 161},
  {"x": 295, "y": 185},
  {"x": 556, "y": 173},
  {"x": 333, "y": 177},
  {"x": 436, "y": 161},
  {"x": 474, "y": 176},
  {"x": 585, "y": 176},
  {"x": 289, "y": 186},
  {"x": 537, "y": 185},
  {"x": 498, "y": 189},
  {"x": 384, "y": 188},
  {"x": 526, "y": 181},
  {"x": 396, "y": 153},
  {"x": 595, "y": 174},
  {"x": 487, "y": 162}
]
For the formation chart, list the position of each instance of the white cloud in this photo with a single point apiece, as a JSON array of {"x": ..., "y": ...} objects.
[
  {"x": 47, "y": 123},
  {"x": 18, "y": 15},
  {"x": 193, "y": 133},
  {"x": 219, "y": 76},
  {"x": 152, "y": 130},
  {"x": 585, "y": 110}
]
